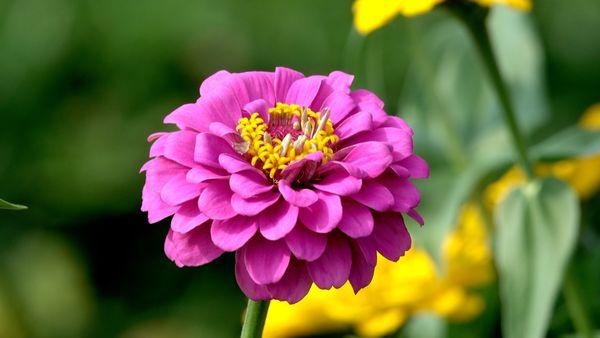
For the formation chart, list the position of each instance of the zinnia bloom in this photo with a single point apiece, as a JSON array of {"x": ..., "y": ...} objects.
[
  {"x": 303, "y": 178},
  {"x": 370, "y": 15}
]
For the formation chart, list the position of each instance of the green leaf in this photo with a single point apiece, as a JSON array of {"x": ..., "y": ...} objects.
[
  {"x": 10, "y": 206},
  {"x": 536, "y": 234},
  {"x": 425, "y": 325},
  {"x": 570, "y": 142}
]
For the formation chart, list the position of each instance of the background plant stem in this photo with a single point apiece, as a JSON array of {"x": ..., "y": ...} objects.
[
  {"x": 254, "y": 321},
  {"x": 474, "y": 20}
]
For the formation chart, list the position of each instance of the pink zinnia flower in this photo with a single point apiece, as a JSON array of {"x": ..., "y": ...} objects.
[{"x": 305, "y": 179}]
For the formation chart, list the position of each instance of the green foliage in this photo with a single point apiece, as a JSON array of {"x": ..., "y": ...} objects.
[
  {"x": 569, "y": 142},
  {"x": 11, "y": 206},
  {"x": 537, "y": 231},
  {"x": 453, "y": 106},
  {"x": 425, "y": 325}
]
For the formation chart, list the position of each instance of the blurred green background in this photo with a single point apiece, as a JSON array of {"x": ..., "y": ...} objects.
[{"x": 82, "y": 83}]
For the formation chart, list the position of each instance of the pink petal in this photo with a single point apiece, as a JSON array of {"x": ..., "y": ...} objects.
[
  {"x": 155, "y": 136},
  {"x": 340, "y": 81},
  {"x": 249, "y": 183},
  {"x": 187, "y": 217},
  {"x": 362, "y": 96},
  {"x": 266, "y": 261},
  {"x": 215, "y": 201},
  {"x": 354, "y": 124},
  {"x": 213, "y": 82},
  {"x": 396, "y": 122},
  {"x": 379, "y": 115},
  {"x": 193, "y": 248},
  {"x": 302, "y": 169},
  {"x": 160, "y": 170},
  {"x": 400, "y": 142},
  {"x": 219, "y": 105},
  {"x": 158, "y": 173},
  {"x": 374, "y": 195},
  {"x": 250, "y": 86},
  {"x": 357, "y": 220},
  {"x": 368, "y": 248},
  {"x": 416, "y": 166},
  {"x": 338, "y": 181},
  {"x": 209, "y": 147},
  {"x": 370, "y": 157},
  {"x": 333, "y": 267},
  {"x": 406, "y": 195},
  {"x": 303, "y": 92},
  {"x": 231, "y": 234},
  {"x": 277, "y": 221},
  {"x": 415, "y": 215},
  {"x": 235, "y": 163},
  {"x": 340, "y": 105},
  {"x": 259, "y": 106},
  {"x": 188, "y": 117},
  {"x": 294, "y": 284},
  {"x": 179, "y": 190},
  {"x": 323, "y": 215},
  {"x": 400, "y": 170},
  {"x": 253, "y": 205},
  {"x": 156, "y": 208},
  {"x": 201, "y": 173},
  {"x": 391, "y": 236},
  {"x": 299, "y": 198},
  {"x": 350, "y": 169},
  {"x": 305, "y": 244},
  {"x": 225, "y": 132},
  {"x": 249, "y": 287},
  {"x": 362, "y": 272},
  {"x": 284, "y": 78},
  {"x": 179, "y": 147},
  {"x": 158, "y": 147}
]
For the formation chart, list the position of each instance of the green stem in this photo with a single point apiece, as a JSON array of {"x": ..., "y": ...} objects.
[
  {"x": 254, "y": 322},
  {"x": 474, "y": 17},
  {"x": 576, "y": 308}
]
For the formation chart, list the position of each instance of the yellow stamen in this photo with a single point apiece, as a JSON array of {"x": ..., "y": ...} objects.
[{"x": 273, "y": 154}]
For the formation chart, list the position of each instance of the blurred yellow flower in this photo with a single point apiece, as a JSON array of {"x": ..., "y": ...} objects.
[
  {"x": 370, "y": 15},
  {"x": 398, "y": 290},
  {"x": 582, "y": 173}
]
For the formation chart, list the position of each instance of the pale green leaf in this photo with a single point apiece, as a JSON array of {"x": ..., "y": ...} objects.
[
  {"x": 570, "y": 142},
  {"x": 11, "y": 206},
  {"x": 425, "y": 325},
  {"x": 537, "y": 227}
]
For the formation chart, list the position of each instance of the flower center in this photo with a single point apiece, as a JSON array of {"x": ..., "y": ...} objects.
[{"x": 291, "y": 133}]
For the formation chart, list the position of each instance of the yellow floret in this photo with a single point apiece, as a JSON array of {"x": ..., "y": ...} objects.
[{"x": 267, "y": 155}]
